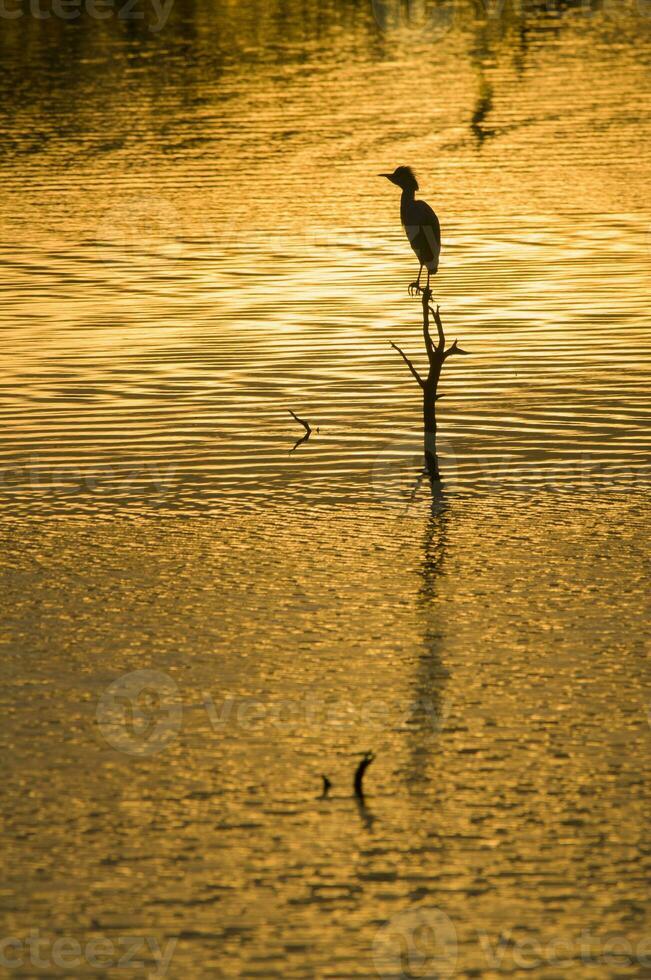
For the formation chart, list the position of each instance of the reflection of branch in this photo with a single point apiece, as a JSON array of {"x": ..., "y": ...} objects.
[
  {"x": 411, "y": 367},
  {"x": 299, "y": 442},
  {"x": 365, "y": 813},
  {"x": 421, "y": 476}
]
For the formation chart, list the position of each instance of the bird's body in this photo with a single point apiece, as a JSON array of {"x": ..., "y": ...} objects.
[
  {"x": 420, "y": 223},
  {"x": 423, "y": 231}
]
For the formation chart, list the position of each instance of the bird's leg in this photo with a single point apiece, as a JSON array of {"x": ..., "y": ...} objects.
[{"x": 414, "y": 287}]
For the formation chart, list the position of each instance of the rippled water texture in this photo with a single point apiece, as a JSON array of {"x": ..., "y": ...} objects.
[{"x": 194, "y": 240}]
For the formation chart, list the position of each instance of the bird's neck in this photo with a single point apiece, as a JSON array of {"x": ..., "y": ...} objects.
[{"x": 406, "y": 199}]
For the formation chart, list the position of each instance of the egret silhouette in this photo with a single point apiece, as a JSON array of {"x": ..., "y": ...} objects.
[{"x": 420, "y": 223}]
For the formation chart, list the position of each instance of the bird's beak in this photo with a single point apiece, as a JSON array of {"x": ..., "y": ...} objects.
[{"x": 388, "y": 176}]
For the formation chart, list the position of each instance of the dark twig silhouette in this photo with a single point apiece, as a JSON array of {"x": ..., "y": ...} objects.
[
  {"x": 306, "y": 426},
  {"x": 364, "y": 812},
  {"x": 437, "y": 355},
  {"x": 367, "y": 759},
  {"x": 411, "y": 367}
]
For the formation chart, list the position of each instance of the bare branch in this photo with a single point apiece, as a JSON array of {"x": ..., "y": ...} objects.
[
  {"x": 439, "y": 326},
  {"x": 436, "y": 355},
  {"x": 411, "y": 367},
  {"x": 455, "y": 349},
  {"x": 306, "y": 425},
  {"x": 429, "y": 345}
]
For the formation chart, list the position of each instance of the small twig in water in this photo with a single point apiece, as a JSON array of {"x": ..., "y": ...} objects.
[
  {"x": 306, "y": 425},
  {"x": 359, "y": 774},
  {"x": 326, "y": 787}
]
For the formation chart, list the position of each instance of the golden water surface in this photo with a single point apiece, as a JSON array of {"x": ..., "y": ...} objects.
[{"x": 194, "y": 240}]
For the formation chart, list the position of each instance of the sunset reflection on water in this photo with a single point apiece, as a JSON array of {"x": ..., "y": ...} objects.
[{"x": 194, "y": 242}]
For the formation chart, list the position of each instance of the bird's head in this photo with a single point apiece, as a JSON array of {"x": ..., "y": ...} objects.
[{"x": 404, "y": 177}]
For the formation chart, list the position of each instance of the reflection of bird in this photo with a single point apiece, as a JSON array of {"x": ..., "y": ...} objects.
[{"x": 420, "y": 223}]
